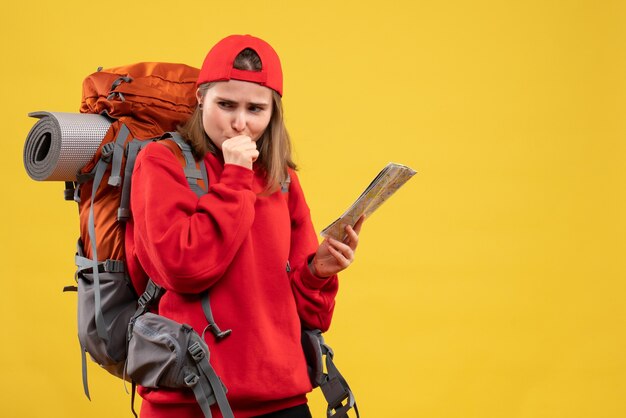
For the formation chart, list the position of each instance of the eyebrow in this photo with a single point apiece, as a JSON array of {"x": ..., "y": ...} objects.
[{"x": 224, "y": 99}]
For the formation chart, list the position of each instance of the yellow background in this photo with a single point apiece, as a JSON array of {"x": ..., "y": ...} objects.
[{"x": 491, "y": 285}]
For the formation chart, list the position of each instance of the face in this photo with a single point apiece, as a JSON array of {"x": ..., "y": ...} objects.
[{"x": 232, "y": 108}]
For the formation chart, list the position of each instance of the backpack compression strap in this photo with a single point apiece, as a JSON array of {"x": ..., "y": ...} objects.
[
  {"x": 148, "y": 298},
  {"x": 333, "y": 385},
  {"x": 111, "y": 153},
  {"x": 202, "y": 390},
  {"x": 115, "y": 178},
  {"x": 85, "y": 265}
]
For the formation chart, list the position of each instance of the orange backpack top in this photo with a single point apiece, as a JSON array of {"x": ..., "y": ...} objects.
[
  {"x": 158, "y": 96},
  {"x": 149, "y": 99}
]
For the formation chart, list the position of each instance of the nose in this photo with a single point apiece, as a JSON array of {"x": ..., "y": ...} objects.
[{"x": 239, "y": 122}]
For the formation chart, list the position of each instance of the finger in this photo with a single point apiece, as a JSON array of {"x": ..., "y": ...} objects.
[
  {"x": 231, "y": 143},
  {"x": 352, "y": 238},
  {"x": 359, "y": 223},
  {"x": 342, "y": 260},
  {"x": 239, "y": 139},
  {"x": 251, "y": 149},
  {"x": 352, "y": 232},
  {"x": 238, "y": 144},
  {"x": 243, "y": 145},
  {"x": 341, "y": 248},
  {"x": 338, "y": 245}
]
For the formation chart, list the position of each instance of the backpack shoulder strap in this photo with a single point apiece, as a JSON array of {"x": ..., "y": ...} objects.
[
  {"x": 195, "y": 171},
  {"x": 208, "y": 313},
  {"x": 284, "y": 185},
  {"x": 197, "y": 177},
  {"x": 173, "y": 146},
  {"x": 133, "y": 148}
]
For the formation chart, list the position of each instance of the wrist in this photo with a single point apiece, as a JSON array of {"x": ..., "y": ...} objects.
[
  {"x": 314, "y": 270},
  {"x": 312, "y": 267}
]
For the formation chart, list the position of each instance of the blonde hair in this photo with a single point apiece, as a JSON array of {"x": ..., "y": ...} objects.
[{"x": 274, "y": 145}]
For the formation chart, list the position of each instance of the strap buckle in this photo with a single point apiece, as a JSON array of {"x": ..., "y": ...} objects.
[
  {"x": 107, "y": 151},
  {"x": 196, "y": 351},
  {"x": 116, "y": 83},
  {"x": 113, "y": 266},
  {"x": 191, "y": 380},
  {"x": 334, "y": 392},
  {"x": 150, "y": 295}
]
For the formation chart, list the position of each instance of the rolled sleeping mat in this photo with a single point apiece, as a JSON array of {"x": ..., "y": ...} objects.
[{"x": 60, "y": 144}]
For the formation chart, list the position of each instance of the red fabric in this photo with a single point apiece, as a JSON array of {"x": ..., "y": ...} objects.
[
  {"x": 218, "y": 64},
  {"x": 237, "y": 243}
]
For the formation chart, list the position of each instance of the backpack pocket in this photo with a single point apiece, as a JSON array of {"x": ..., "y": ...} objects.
[
  {"x": 163, "y": 353},
  {"x": 118, "y": 303},
  {"x": 157, "y": 352}
]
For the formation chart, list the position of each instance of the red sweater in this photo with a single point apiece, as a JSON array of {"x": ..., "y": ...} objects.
[{"x": 237, "y": 243}]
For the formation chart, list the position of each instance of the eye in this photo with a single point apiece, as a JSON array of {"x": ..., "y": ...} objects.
[
  {"x": 255, "y": 108},
  {"x": 225, "y": 105}
]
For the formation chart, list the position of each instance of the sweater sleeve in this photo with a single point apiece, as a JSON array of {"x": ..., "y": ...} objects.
[
  {"x": 315, "y": 296},
  {"x": 185, "y": 244}
]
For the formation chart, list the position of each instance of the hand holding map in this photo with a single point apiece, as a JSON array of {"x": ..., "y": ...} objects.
[{"x": 390, "y": 179}]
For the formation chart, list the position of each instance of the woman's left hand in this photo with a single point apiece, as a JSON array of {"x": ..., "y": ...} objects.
[{"x": 333, "y": 256}]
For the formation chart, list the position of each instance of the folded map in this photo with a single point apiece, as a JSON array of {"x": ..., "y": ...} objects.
[{"x": 390, "y": 179}]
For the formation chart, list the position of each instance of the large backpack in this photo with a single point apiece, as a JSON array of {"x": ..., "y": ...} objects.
[
  {"x": 139, "y": 110},
  {"x": 144, "y": 102}
]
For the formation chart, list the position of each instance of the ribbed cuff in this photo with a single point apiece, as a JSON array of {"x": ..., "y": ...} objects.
[{"x": 312, "y": 281}]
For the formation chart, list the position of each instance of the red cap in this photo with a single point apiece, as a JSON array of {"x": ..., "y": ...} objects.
[{"x": 218, "y": 64}]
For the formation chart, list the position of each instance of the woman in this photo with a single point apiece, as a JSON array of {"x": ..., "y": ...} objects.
[{"x": 249, "y": 241}]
